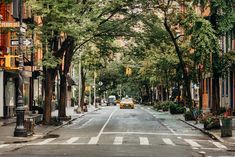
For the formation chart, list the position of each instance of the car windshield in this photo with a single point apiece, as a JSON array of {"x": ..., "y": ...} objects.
[{"x": 129, "y": 100}]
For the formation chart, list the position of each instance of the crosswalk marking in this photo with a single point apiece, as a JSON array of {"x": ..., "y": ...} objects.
[
  {"x": 46, "y": 141},
  {"x": 219, "y": 145},
  {"x": 72, "y": 140},
  {"x": 93, "y": 140},
  {"x": 168, "y": 141},
  {"x": 118, "y": 140},
  {"x": 192, "y": 143},
  {"x": 4, "y": 145},
  {"x": 144, "y": 141}
]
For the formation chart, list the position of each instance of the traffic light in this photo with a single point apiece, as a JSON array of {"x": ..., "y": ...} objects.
[
  {"x": 8, "y": 62},
  {"x": 128, "y": 71},
  {"x": 2, "y": 62},
  {"x": 88, "y": 88}
]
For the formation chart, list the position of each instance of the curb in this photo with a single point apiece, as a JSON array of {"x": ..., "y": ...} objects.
[
  {"x": 35, "y": 137},
  {"x": 8, "y": 123},
  {"x": 211, "y": 135}
]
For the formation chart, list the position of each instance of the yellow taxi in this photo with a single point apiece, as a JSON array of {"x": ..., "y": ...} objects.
[{"x": 127, "y": 103}]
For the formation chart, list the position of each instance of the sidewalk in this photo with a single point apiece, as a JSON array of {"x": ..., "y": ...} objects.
[
  {"x": 7, "y": 127},
  {"x": 214, "y": 134}
]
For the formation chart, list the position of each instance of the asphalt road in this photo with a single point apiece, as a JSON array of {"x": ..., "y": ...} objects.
[{"x": 114, "y": 132}]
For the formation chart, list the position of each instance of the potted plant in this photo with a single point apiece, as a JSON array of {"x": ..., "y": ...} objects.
[{"x": 210, "y": 121}]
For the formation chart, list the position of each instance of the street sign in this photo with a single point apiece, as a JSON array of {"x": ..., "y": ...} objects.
[{"x": 26, "y": 42}]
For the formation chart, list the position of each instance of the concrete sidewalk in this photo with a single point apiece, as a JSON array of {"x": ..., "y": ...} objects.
[
  {"x": 214, "y": 133},
  {"x": 7, "y": 126}
]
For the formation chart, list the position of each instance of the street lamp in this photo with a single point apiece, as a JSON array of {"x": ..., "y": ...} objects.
[{"x": 20, "y": 130}]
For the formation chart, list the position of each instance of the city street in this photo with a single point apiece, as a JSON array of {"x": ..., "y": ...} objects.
[{"x": 110, "y": 131}]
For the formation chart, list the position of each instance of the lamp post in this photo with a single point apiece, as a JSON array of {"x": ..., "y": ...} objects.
[
  {"x": 20, "y": 130},
  {"x": 95, "y": 90}
]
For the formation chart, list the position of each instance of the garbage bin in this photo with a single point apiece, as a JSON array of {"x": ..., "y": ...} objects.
[
  {"x": 226, "y": 127},
  {"x": 29, "y": 125}
]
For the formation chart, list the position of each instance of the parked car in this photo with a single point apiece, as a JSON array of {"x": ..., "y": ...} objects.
[
  {"x": 127, "y": 103},
  {"x": 111, "y": 100}
]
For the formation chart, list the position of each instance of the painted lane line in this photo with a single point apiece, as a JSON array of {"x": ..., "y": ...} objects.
[
  {"x": 72, "y": 140},
  {"x": 4, "y": 145},
  {"x": 168, "y": 141},
  {"x": 93, "y": 140},
  {"x": 46, "y": 141},
  {"x": 192, "y": 143},
  {"x": 150, "y": 133},
  {"x": 144, "y": 141},
  {"x": 106, "y": 123},
  {"x": 84, "y": 124},
  {"x": 219, "y": 145},
  {"x": 171, "y": 130},
  {"x": 118, "y": 140}
]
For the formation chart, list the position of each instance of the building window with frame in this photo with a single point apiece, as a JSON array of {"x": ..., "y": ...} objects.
[
  {"x": 207, "y": 85},
  {"x": 227, "y": 86},
  {"x": 222, "y": 88}
]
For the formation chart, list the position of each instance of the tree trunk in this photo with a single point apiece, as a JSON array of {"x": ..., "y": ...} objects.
[
  {"x": 215, "y": 94},
  {"x": 200, "y": 88},
  {"x": 68, "y": 55},
  {"x": 215, "y": 68},
  {"x": 83, "y": 80},
  {"x": 63, "y": 96},
  {"x": 182, "y": 65},
  {"x": 49, "y": 82}
]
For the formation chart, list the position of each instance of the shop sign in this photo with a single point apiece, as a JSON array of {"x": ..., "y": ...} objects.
[{"x": 9, "y": 24}]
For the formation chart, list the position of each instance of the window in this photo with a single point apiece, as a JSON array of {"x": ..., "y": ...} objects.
[
  {"x": 227, "y": 86},
  {"x": 222, "y": 87},
  {"x": 207, "y": 85}
]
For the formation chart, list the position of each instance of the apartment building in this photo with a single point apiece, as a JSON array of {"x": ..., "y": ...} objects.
[{"x": 9, "y": 27}]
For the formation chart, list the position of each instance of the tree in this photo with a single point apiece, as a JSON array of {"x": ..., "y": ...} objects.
[
  {"x": 183, "y": 27},
  {"x": 222, "y": 20},
  {"x": 79, "y": 22}
]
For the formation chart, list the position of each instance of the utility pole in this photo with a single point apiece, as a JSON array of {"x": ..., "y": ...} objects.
[
  {"x": 79, "y": 79},
  {"x": 90, "y": 97},
  {"x": 95, "y": 90},
  {"x": 20, "y": 130}
]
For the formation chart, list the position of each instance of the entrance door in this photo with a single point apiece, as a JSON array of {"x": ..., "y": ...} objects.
[
  {"x": 231, "y": 89},
  {"x": 1, "y": 94}
]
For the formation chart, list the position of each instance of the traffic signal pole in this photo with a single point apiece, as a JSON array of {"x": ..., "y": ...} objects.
[{"x": 20, "y": 130}]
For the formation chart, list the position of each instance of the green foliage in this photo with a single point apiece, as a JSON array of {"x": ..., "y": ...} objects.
[
  {"x": 188, "y": 115},
  {"x": 176, "y": 108},
  {"x": 228, "y": 61},
  {"x": 50, "y": 61},
  {"x": 164, "y": 106},
  {"x": 211, "y": 122}
]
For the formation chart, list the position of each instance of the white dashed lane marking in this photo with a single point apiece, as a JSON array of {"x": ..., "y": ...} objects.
[
  {"x": 93, "y": 140},
  {"x": 46, "y": 141},
  {"x": 118, "y": 140},
  {"x": 4, "y": 145},
  {"x": 192, "y": 143},
  {"x": 72, "y": 140},
  {"x": 219, "y": 145},
  {"x": 144, "y": 141},
  {"x": 168, "y": 141}
]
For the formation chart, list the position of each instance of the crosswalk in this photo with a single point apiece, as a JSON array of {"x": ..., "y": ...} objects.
[{"x": 126, "y": 140}]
